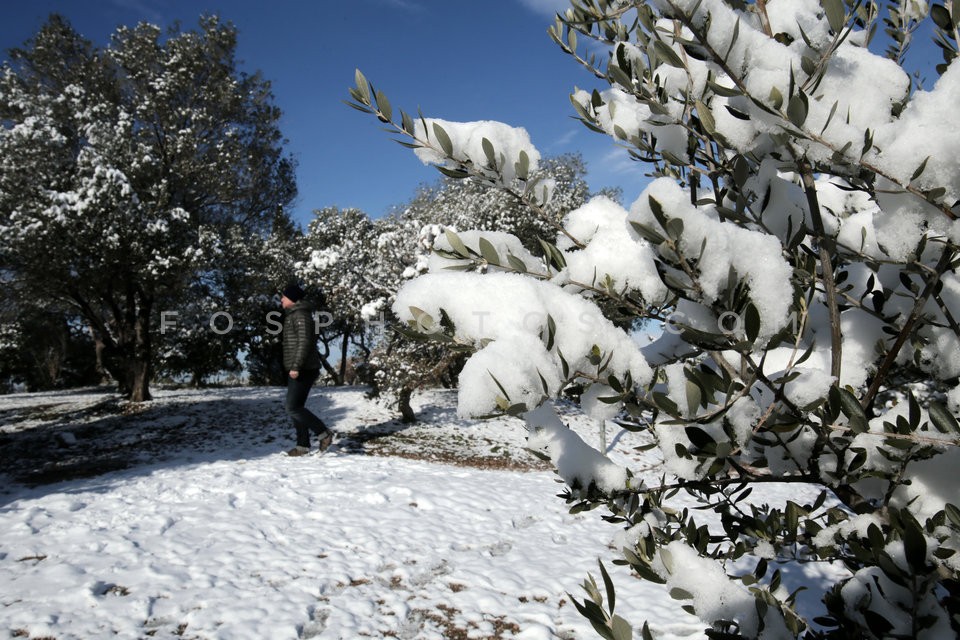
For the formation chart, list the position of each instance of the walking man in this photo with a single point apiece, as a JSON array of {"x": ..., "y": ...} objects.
[{"x": 301, "y": 361}]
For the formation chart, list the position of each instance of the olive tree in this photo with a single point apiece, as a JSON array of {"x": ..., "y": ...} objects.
[{"x": 799, "y": 245}]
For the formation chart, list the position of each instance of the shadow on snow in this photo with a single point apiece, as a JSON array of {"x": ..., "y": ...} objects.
[{"x": 180, "y": 427}]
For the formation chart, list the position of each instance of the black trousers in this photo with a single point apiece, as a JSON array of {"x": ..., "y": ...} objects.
[{"x": 303, "y": 419}]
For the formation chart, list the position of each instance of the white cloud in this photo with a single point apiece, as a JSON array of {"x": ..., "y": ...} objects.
[
  {"x": 405, "y": 5},
  {"x": 565, "y": 139},
  {"x": 142, "y": 9},
  {"x": 546, "y": 7},
  {"x": 618, "y": 161},
  {"x": 615, "y": 168}
]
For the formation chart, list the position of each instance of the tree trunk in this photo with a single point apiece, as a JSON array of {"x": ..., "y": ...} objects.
[
  {"x": 325, "y": 363},
  {"x": 407, "y": 415},
  {"x": 142, "y": 355},
  {"x": 98, "y": 349},
  {"x": 128, "y": 356},
  {"x": 363, "y": 346},
  {"x": 343, "y": 358},
  {"x": 140, "y": 375},
  {"x": 334, "y": 374}
]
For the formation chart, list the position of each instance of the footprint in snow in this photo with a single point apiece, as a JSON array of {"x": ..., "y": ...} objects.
[
  {"x": 317, "y": 624},
  {"x": 501, "y": 548}
]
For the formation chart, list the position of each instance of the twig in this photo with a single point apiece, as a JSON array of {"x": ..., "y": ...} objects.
[
  {"x": 826, "y": 262},
  {"x": 945, "y": 260},
  {"x": 910, "y": 437}
]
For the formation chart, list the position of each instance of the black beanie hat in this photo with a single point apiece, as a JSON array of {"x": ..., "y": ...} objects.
[{"x": 293, "y": 292}]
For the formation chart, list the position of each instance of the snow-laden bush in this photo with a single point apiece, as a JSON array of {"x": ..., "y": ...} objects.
[{"x": 798, "y": 245}]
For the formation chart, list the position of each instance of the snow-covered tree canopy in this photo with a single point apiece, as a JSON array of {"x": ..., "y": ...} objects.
[
  {"x": 469, "y": 204},
  {"x": 121, "y": 166},
  {"x": 360, "y": 264},
  {"x": 340, "y": 262},
  {"x": 798, "y": 245}
]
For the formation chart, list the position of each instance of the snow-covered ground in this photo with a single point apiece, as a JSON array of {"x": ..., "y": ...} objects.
[{"x": 183, "y": 518}]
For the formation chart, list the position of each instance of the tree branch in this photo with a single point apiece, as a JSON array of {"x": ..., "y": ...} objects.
[
  {"x": 946, "y": 258},
  {"x": 826, "y": 263}
]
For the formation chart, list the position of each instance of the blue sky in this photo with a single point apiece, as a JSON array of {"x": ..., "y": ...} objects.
[{"x": 459, "y": 60}]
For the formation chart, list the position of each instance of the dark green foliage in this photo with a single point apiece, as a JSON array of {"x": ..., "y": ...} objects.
[{"x": 125, "y": 168}]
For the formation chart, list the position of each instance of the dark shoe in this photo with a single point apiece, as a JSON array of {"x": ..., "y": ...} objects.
[
  {"x": 325, "y": 440},
  {"x": 298, "y": 451}
]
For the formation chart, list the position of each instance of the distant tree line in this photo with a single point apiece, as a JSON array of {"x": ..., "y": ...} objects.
[{"x": 144, "y": 191}]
